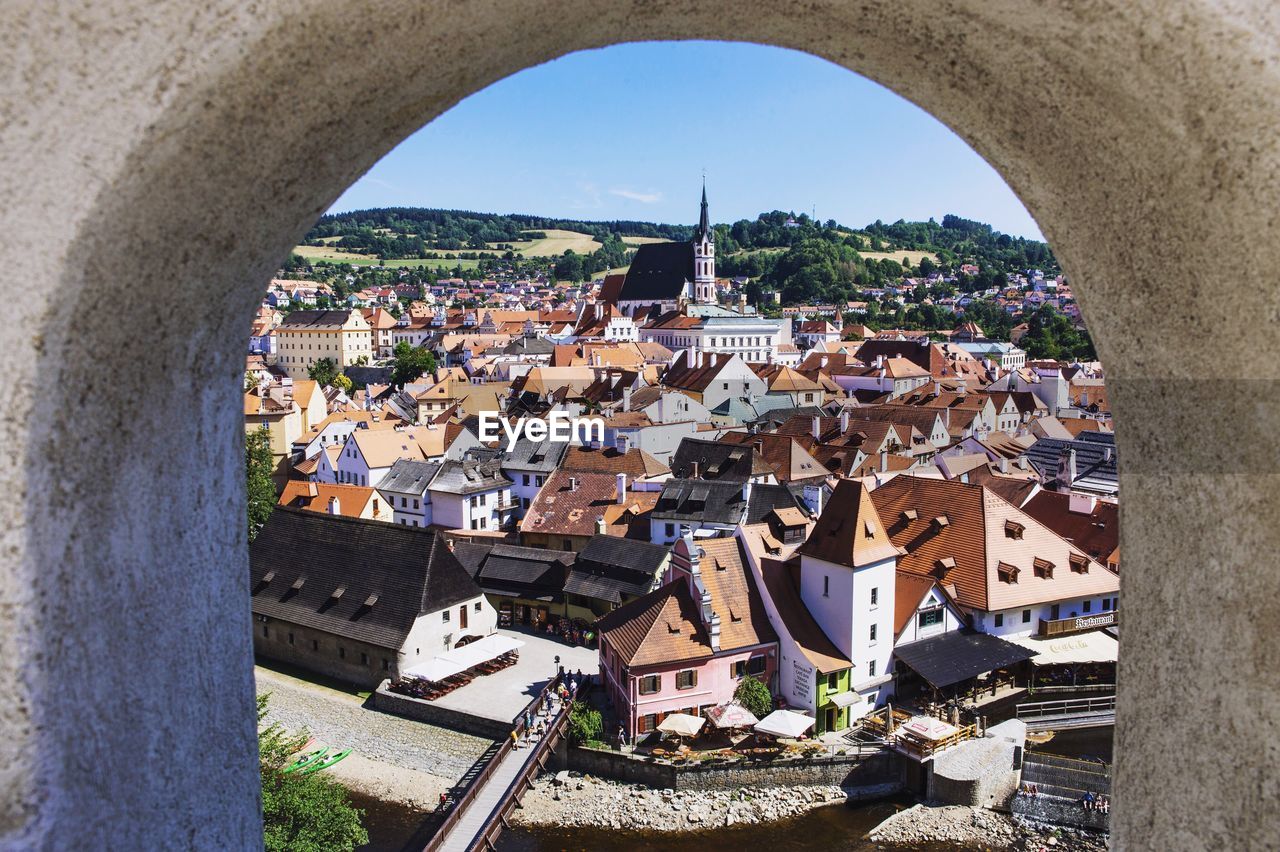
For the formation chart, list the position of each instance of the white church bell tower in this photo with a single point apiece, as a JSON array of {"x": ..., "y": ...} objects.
[{"x": 704, "y": 257}]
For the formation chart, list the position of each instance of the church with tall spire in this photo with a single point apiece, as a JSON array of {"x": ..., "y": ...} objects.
[{"x": 670, "y": 291}]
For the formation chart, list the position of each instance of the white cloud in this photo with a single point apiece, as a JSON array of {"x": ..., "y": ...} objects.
[{"x": 642, "y": 197}]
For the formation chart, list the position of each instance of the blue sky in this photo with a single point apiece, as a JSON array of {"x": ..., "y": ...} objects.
[{"x": 625, "y": 133}]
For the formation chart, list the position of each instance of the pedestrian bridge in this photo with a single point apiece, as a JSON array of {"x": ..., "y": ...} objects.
[
  {"x": 1067, "y": 713},
  {"x": 493, "y": 788}
]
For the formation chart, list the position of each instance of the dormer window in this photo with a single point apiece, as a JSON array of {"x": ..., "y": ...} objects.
[
  {"x": 909, "y": 515},
  {"x": 942, "y": 522},
  {"x": 942, "y": 566},
  {"x": 1079, "y": 563},
  {"x": 869, "y": 529},
  {"x": 1013, "y": 529},
  {"x": 1007, "y": 573},
  {"x": 1043, "y": 568}
]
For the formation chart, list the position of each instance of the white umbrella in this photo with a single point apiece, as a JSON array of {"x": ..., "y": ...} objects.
[
  {"x": 681, "y": 724},
  {"x": 731, "y": 715},
  {"x": 785, "y": 723}
]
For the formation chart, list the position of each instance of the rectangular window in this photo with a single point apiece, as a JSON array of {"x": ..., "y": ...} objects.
[
  {"x": 875, "y": 597},
  {"x": 1026, "y": 616},
  {"x": 526, "y": 479},
  {"x": 738, "y": 668},
  {"x": 477, "y": 606},
  {"x": 756, "y": 665},
  {"x": 1106, "y": 605},
  {"x": 649, "y": 684},
  {"x": 415, "y": 502},
  {"x": 342, "y": 653},
  {"x": 266, "y": 632},
  {"x": 826, "y": 586},
  {"x": 290, "y": 638},
  {"x": 444, "y": 616},
  {"x": 871, "y": 669},
  {"x": 832, "y": 680},
  {"x": 686, "y": 679},
  {"x": 364, "y": 659},
  {"x": 930, "y": 617},
  {"x": 386, "y": 664},
  {"x": 1055, "y": 612},
  {"x": 1087, "y": 606},
  {"x": 873, "y": 633},
  {"x": 315, "y": 644},
  {"x": 648, "y": 722},
  {"x": 999, "y": 619}
]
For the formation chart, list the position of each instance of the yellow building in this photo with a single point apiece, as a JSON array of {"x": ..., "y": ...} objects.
[{"x": 306, "y": 337}]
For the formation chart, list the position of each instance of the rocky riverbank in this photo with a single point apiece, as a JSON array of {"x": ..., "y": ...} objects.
[
  {"x": 578, "y": 800},
  {"x": 978, "y": 828}
]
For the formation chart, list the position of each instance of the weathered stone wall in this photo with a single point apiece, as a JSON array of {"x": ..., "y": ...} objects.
[
  {"x": 874, "y": 771},
  {"x": 158, "y": 159},
  {"x": 323, "y": 656},
  {"x": 428, "y": 711},
  {"x": 1057, "y": 811}
]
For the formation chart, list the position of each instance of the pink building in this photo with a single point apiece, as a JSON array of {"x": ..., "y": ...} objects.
[{"x": 686, "y": 646}]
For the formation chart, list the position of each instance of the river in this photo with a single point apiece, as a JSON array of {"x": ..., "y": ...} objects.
[{"x": 838, "y": 828}]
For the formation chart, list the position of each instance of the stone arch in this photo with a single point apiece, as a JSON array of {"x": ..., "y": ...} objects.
[{"x": 155, "y": 171}]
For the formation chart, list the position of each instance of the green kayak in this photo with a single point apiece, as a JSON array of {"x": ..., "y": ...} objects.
[
  {"x": 326, "y": 762},
  {"x": 306, "y": 759}
]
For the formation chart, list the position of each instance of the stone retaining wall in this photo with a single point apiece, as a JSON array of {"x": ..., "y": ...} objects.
[
  {"x": 1056, "y": 811},
  {"x": 426, "y": 711},
  {"x": 879, "y": 772}
]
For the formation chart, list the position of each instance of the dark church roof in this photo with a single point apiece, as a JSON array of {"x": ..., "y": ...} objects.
[
  {"x": 720, "y": 501},
  {"x": 658, "y": 272},
  {"x": 367, "y": 581}
]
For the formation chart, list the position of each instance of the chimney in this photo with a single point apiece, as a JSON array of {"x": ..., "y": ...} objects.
[
  {"x": 817, "y": 427},
  {"x": 937, "y": 388},
  {"x": 746, "y": 491},
  {"x": 312, "y": 490},
  {"x": 884, "y": 462},
  {"x": 693, "y": 473},
  {"x": 1067, "y": 468},
  {"x": 600, "y": 525},
  {"x": 844, "y": 421},
  {"x": 626, "y": 399},
  {"x": 1004, "y": 464},
  {"x": 335, "y": 506},
  {"x": 573, "y": 483},
  {"x": 622, "y": 488},
  {"x": 880, "y": 360}
]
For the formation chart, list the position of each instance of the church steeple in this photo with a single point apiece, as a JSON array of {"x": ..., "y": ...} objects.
[
  {"x": 704, "y": 222},
  {"x": 704, "y": 256}
]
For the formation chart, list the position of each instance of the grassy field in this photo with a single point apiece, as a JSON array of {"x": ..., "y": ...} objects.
[
  {"x": 553, "y": 245},
  {"x": 913, "y": 257},
  {"x": 640, "y": 241}
]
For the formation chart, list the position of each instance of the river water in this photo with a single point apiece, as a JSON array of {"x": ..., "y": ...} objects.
[{"x": 836, "y": 828}]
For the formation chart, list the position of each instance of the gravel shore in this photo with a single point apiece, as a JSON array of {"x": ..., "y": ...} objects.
[
  {"x": 978, "y": 828},
  {"x": 587, "y": 801},
  {"x": 395, "y": 759}
]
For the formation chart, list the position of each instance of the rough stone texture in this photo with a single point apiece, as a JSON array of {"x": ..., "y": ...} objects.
[
  {"x": 157, "y": 159},
  {"x": 979, "y": 773},
  {"x": 872, "y": 772}
]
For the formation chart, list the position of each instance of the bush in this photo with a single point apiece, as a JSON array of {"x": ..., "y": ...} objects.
[
  {"x": 585, "y": 723},
  {"x": 754, "y": 695}
]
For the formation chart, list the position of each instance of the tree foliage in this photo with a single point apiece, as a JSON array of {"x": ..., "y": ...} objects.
[
  {"x": 322, "y": 372},
  {"x": 585, "y": 723},
  {"x": 410, "y": 362},
  {"x": 301, "y": 813},
  {"x": 258, "y": 467},
  {"x": 754, "y": 695}
]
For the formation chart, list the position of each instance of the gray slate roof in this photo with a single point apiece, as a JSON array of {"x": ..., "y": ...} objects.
[
  {"x": 408, "y": 476},
  {"x": 720, "y": 502},
  {"x": 388, "y": 575},
  {"x": 658, "y": 272},
  {"x": 610, "y": 567},
  {"x": 1092, "y": 465},
  {"x": 535, "y": 456},
  {"x": 528, "y": 571},
  {"x": 469, "y": 477}
]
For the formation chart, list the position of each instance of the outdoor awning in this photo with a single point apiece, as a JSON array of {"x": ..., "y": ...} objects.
[
  {"x": 927, "y": 728},
  {"x": 958, "y": 656},
  {"x": 1092, "y": 647},
  {"x": 844, "y": 699},
  {"x": 458, "y": 660},
  {"x": 681, "y": 724},
  {"x": 731, "y": 715},
  {"x": 784, "y": 723}
]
